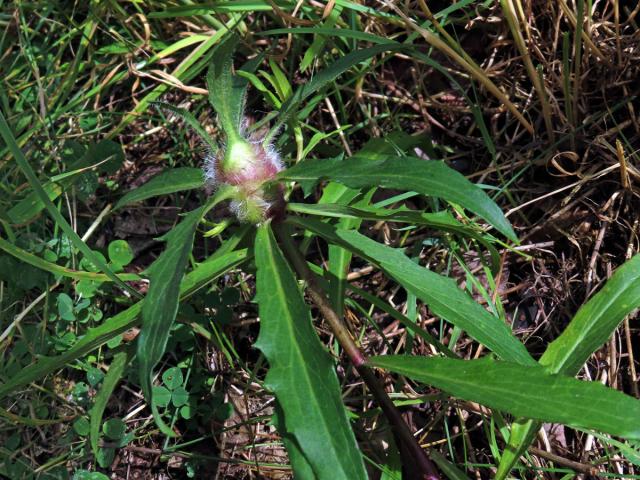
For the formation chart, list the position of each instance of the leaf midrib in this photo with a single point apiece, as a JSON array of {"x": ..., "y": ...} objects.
[{"x": 290, "y": 323}]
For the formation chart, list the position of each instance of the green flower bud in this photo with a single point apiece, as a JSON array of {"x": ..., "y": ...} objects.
[{"x": 248, "y": 165}]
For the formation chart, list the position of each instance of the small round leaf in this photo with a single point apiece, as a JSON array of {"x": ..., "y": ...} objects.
[
  {"x": 94, "y": 376},
  {"x": 114, "y": 428},
  {"x": 179, "y": 397},
  {"x": 65, "y": 307},
  {"x": 172, "y": 378},
  {"x": 81, "y": 426},
  {"x": 161, "y": 396},
  {"x": 120, "y": 252}
]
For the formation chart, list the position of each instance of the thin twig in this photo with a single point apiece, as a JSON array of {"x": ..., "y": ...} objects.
[{"x": 565, "y": 462}]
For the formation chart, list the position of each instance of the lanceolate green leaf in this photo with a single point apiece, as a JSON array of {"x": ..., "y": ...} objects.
[
  {"x": 594, "y": 323},
  {"x": 161, "y": 303},
  {"x": 226, "y": 91},
  {"x": 428, "y": 177},
  {"x": 299, "y": 462},
  {"x": 335, "y": 200},
  {"x": 301, "y": 373},
  {"x": 169, "y": 181},
  {"x": 525, "y": 391},
  {"x": 523, "y": 432},
  {"x": 441, "y": 294},
  {"x": 442, "y": 221},
  {"x": 340, "y": 258}
]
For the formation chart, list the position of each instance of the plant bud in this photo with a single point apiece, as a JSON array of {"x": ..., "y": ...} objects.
[{"x": 248, "y": 165}]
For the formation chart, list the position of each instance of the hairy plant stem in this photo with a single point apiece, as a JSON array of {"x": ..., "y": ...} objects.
[{"x": 411, "y": 451}]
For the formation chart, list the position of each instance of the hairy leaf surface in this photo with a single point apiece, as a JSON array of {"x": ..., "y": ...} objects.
[{"x": 226, "y": 91}]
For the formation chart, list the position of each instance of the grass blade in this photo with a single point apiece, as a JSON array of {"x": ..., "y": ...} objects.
[
  {"x": 191, "y": 121},
  {"x": 56, "y": 269},
  {"x": 299, "y": 462},
  {"x": 7, "y": 135},
  {"x": 301, "y": 373},
  {"x": 329, "y": 32},
  {"x": 324, "y": 77},
  {"x": 113, "y": 326},
  {"x": 448, "y": 468}
]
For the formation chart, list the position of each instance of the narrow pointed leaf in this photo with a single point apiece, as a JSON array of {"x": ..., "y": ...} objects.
[
  {"x": 329, "y": 32},
  {"x": 226, "y": 91},
  {"x": 440, "y": 293},
  {"x": 169, "y": 181},
  {"x": 322, "y": 78},
  {"x": 301, "y": 373},
  {"x": 523, "y": 432},
  {"x": 525, "y": 391},
  {"x": 448, "y": 468},
  {"x": 428, "y": 177},
  {"x": 594, "y": 323},
  {"x": 442, "y": 221},
  {"x": 80, "y": 164},
  {"x": 299, "y": 462},
  {"x": 191, "y": 121},
  {"x": 161, "y": 303}
]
